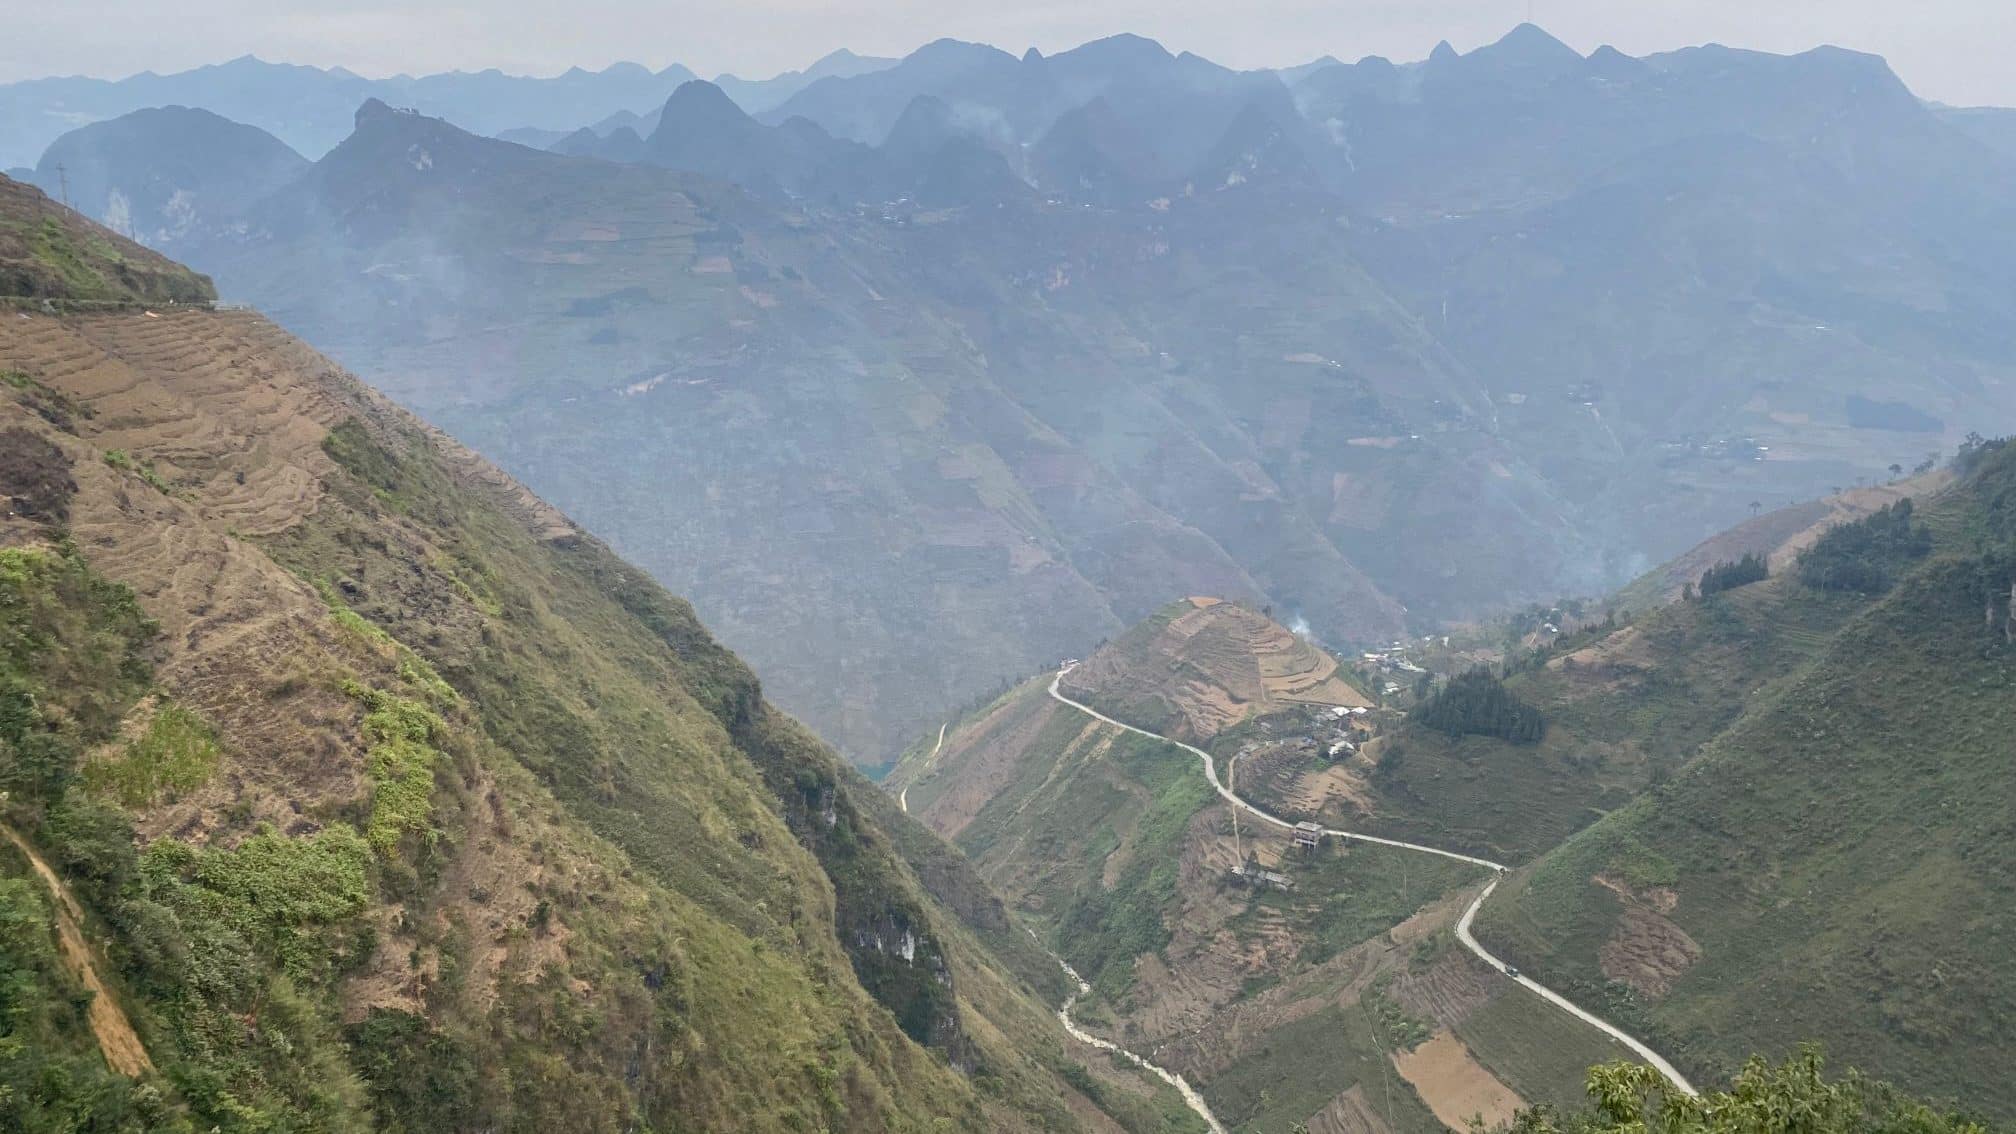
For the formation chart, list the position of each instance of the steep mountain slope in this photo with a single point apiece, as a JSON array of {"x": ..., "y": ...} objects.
[
  {"x": 701, "y": 130},
  {"x": 392, "y": 800},
  {"x": 1834, "y": 863},
  {"x": 1343, "y": 1002},
  {"x": 1992, "y": 126},
  {"x": 156, "y": 174},
  {"x": 1778, "y": 536},
  {"x": 49, "y": 254}
]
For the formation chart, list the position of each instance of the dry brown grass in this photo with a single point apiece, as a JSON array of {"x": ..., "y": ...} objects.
[
  {"x": 1215, "y": 664},
  {"x": 1455, "y": 1086}
]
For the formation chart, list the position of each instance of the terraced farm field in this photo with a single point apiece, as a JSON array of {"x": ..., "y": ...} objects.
[{"x": 1202, "y": 665}]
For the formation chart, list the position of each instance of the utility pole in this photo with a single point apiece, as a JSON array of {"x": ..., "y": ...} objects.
[
  {"x": 1232, "y": 785},
  {"x": 63, "y": 183}
]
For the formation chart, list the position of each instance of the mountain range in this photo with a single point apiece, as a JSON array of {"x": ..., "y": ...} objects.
[
  {"x": 996, "y": 354},
  {"x": 309, "y": 108}
]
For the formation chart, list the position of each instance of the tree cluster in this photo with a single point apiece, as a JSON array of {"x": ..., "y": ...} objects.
[
  {"x": 1476, "y": 703},
  {"x": 1866, "y": 556},
  {"x": 1730, "y": 574}
]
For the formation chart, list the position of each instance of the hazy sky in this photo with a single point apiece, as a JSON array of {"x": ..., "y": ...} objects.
[{"x": 1953, "y": 50}]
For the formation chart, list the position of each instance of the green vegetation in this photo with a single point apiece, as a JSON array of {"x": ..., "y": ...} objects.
[
  {"x": 203, "y": 940},
  {"x": 176, "y": 754},
  {"x": 777, "y": 891},
  {"x": 1101, "y": 928},
  {"x": 285, "y": 897},
  {"x": 69, "y": 665},
  {"x": 50, "y": 254},
  {"x": 567, "y": 871},
  {"x": 1730, "y": 574},
  {"x": 78, "y": 263},
  {"x": 1539, "y": 1052},
  {"x": 123, "y": 461},
  {"x": 1866, "y": 555},
  {"x": 1625, "y": 704},
  {"x": 1795, "y": 1095},
  {"x": 1476, "y": 703},
  {"x": 412, "y": 668},
  {"x": 1346, "y": 893},
  {"x": 401, "y": 764},
  {"x": 1301, "y": 1066},
  {"x": 52, "y": 1078},
  {"x": 1397, "y": 1030}
]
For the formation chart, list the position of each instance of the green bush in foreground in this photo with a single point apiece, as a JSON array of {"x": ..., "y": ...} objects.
[{"x": 1794, "y": 1097}]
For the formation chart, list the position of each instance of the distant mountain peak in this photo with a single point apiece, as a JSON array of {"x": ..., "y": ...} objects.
[
  {"x": 701, "y": 114},
  {"x": 1125, "y": 46},
  {"x": 1531, "y": 40},
  {"x": 1443, "y": 53},
  {"x": 1607, "y": 61},
  {"x": 701, "y": 96},
  {"x": 375, "y": 110},
  {"x": 925, "y": 121}
]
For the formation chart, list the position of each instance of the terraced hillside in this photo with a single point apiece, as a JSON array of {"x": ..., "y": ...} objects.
[
  {"x": 391, "y": 800},
  {"x": 1834, "y": 864},
  {"x": 1342, "y": 1002},
  {"x": 1201, "y": 665}
]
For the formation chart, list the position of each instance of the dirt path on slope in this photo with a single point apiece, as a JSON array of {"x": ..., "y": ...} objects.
[{"x": 122, "y": 1047}]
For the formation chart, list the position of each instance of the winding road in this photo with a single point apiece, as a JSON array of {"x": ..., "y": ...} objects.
[
  {"x": 1463, "y": 933},
  {"x": 903, "y": 797},
  {"x": 1191, "y": 1098}
]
